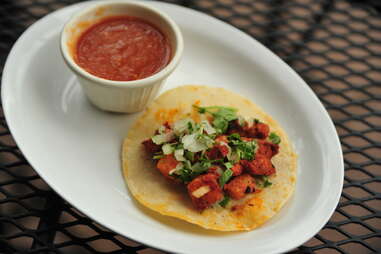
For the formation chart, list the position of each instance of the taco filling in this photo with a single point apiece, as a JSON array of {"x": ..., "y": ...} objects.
[
  {"x": 228, "y": 167},
  {"x": 219, "y": 158}
]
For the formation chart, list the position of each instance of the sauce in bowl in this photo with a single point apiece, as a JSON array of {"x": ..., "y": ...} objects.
[{"x": 122, "y": 48}]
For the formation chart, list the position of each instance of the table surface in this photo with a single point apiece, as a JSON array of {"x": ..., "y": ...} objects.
[{"x": 334, "y": 45}]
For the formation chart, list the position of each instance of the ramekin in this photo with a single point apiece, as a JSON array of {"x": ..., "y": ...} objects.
[{"x": 120, "y": 96}]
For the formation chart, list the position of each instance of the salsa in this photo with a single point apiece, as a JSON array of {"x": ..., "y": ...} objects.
[
  {"x": 122, "y": 48},
  {"x": 222, "y": 157}
]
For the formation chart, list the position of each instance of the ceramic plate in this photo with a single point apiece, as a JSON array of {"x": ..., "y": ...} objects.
[{"x": 76, "y": 148}]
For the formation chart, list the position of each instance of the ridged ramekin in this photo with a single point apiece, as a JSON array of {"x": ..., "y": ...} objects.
[{"x": 120, "y": 96}]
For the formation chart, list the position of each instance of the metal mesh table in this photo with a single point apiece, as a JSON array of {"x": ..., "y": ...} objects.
[{"x": 334, "y": 45}]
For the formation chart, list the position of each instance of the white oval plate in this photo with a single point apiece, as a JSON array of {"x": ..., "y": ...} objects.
[{"x": 76, "y": 148}]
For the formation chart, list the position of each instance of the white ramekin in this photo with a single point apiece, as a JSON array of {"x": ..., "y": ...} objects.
[{"x": 120, "y": 96}]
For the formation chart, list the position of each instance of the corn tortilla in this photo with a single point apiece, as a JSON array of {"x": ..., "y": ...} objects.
[{"x": 152, "y": 190}]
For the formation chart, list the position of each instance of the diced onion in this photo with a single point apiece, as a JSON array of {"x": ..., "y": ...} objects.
[
  {"x": 241, "y": 120},
  {"x": 167, "y": 149},
  {"x": 233, "y": 157},
  {"x": 201, "y": 191},
  {"x": 207, "y": 127},
  {"x": 250, "y": 121},
  {"x": 205, "y": 139},
  {"x": 181, "y": 126},
  {"x": 163, "y": 138},
  {"x": 162, "y": 129},
  {"x": 192, "y": 144},
  {"x": 179, "y": 166},
  {"x": 179, "y": 155},
  {"x": 219, "y": 171}
]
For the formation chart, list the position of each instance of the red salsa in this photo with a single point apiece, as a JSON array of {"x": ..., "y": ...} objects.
[{"x": 123, "y": 48}]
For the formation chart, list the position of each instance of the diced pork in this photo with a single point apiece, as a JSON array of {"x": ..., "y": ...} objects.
[
  {"x": 217, "y": 152},
  {"x": 204, "y": 191},
  {"x": 257, "y": 130},
  {"x": 167, "y": 164},
  {"x": 261, "y": 165},
  {"x": 237, "y": 169},
  {"x": 239, "y": 186},
  {"x": 150, "y": 146},
  {"x": 267, "y": 149}
]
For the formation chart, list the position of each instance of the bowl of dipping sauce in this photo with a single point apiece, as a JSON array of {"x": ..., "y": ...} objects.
[{"x": 121, "y": 52}]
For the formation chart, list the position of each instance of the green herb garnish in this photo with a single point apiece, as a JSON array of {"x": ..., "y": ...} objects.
[
  {"x": 179, "y": 146},
  {"x": 224, "y": 178},
  {"x": 274, "y": 138},
  {"x": 222, "y": 116},
  {"x": 220, "y": 124},
  {"x": 244, "y": 149},
  {"x": 158, "y": 156},
  {"x": 189, "y": 156},
  {"x": 189, "y": 171},
  {"x": 267, "y": 183},
  {"x": 263, "y": 181},
  {"x": 228, "y": 165},
  {"x": 201, "y": 167},
  {"x": 234, "y": 136},
  {"x": 185, "y": 174},
  {"x": 206, "y": 139},
  {"x": 190, "y": 127},
  {"x": 225, "y": 201}
]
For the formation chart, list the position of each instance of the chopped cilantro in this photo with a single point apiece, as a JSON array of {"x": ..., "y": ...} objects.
[
  {"x": 224, "y": 178},
  {"x": 274, "y": 138},
  {"x": 190, "y": 127},
  {"x": 217, "y": 161},
  {"x": 200, "y": 110},
  {"x": 234, "y": 136},
  {"x": 179, "y": 146},
  {"x": 201, "y": 167},
  {"x": 225, "y": 201},
  {"x": 189, "y": 171},
  {"x": 222, "y": 116},
  {"x": 220, "y": 124},
  {"x": 267, "y": 183},
  {"x": 185, "y": 174},
  {"x": 158, "y": 156},
  {"x": 206, "y": 139},
  {"x": 244, "y": 149},
  {"x": 228, "y": 113},
  {"x": 263, "y": 181},
  {"x": 228, "y": 165},
  {"x": 247, "y": 150},
  {"x": 189, "y": 155},
  {"x": 187, "y": 164}
]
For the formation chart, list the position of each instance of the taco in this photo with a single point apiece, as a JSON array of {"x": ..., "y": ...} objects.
[{"x": 210, "y": 157}]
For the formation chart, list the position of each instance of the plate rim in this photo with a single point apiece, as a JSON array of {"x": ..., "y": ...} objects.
[{"x": 192, "y": 12}]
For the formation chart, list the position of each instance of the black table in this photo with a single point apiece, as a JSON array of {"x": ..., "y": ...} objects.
[{"x": 334, "y": 45}]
